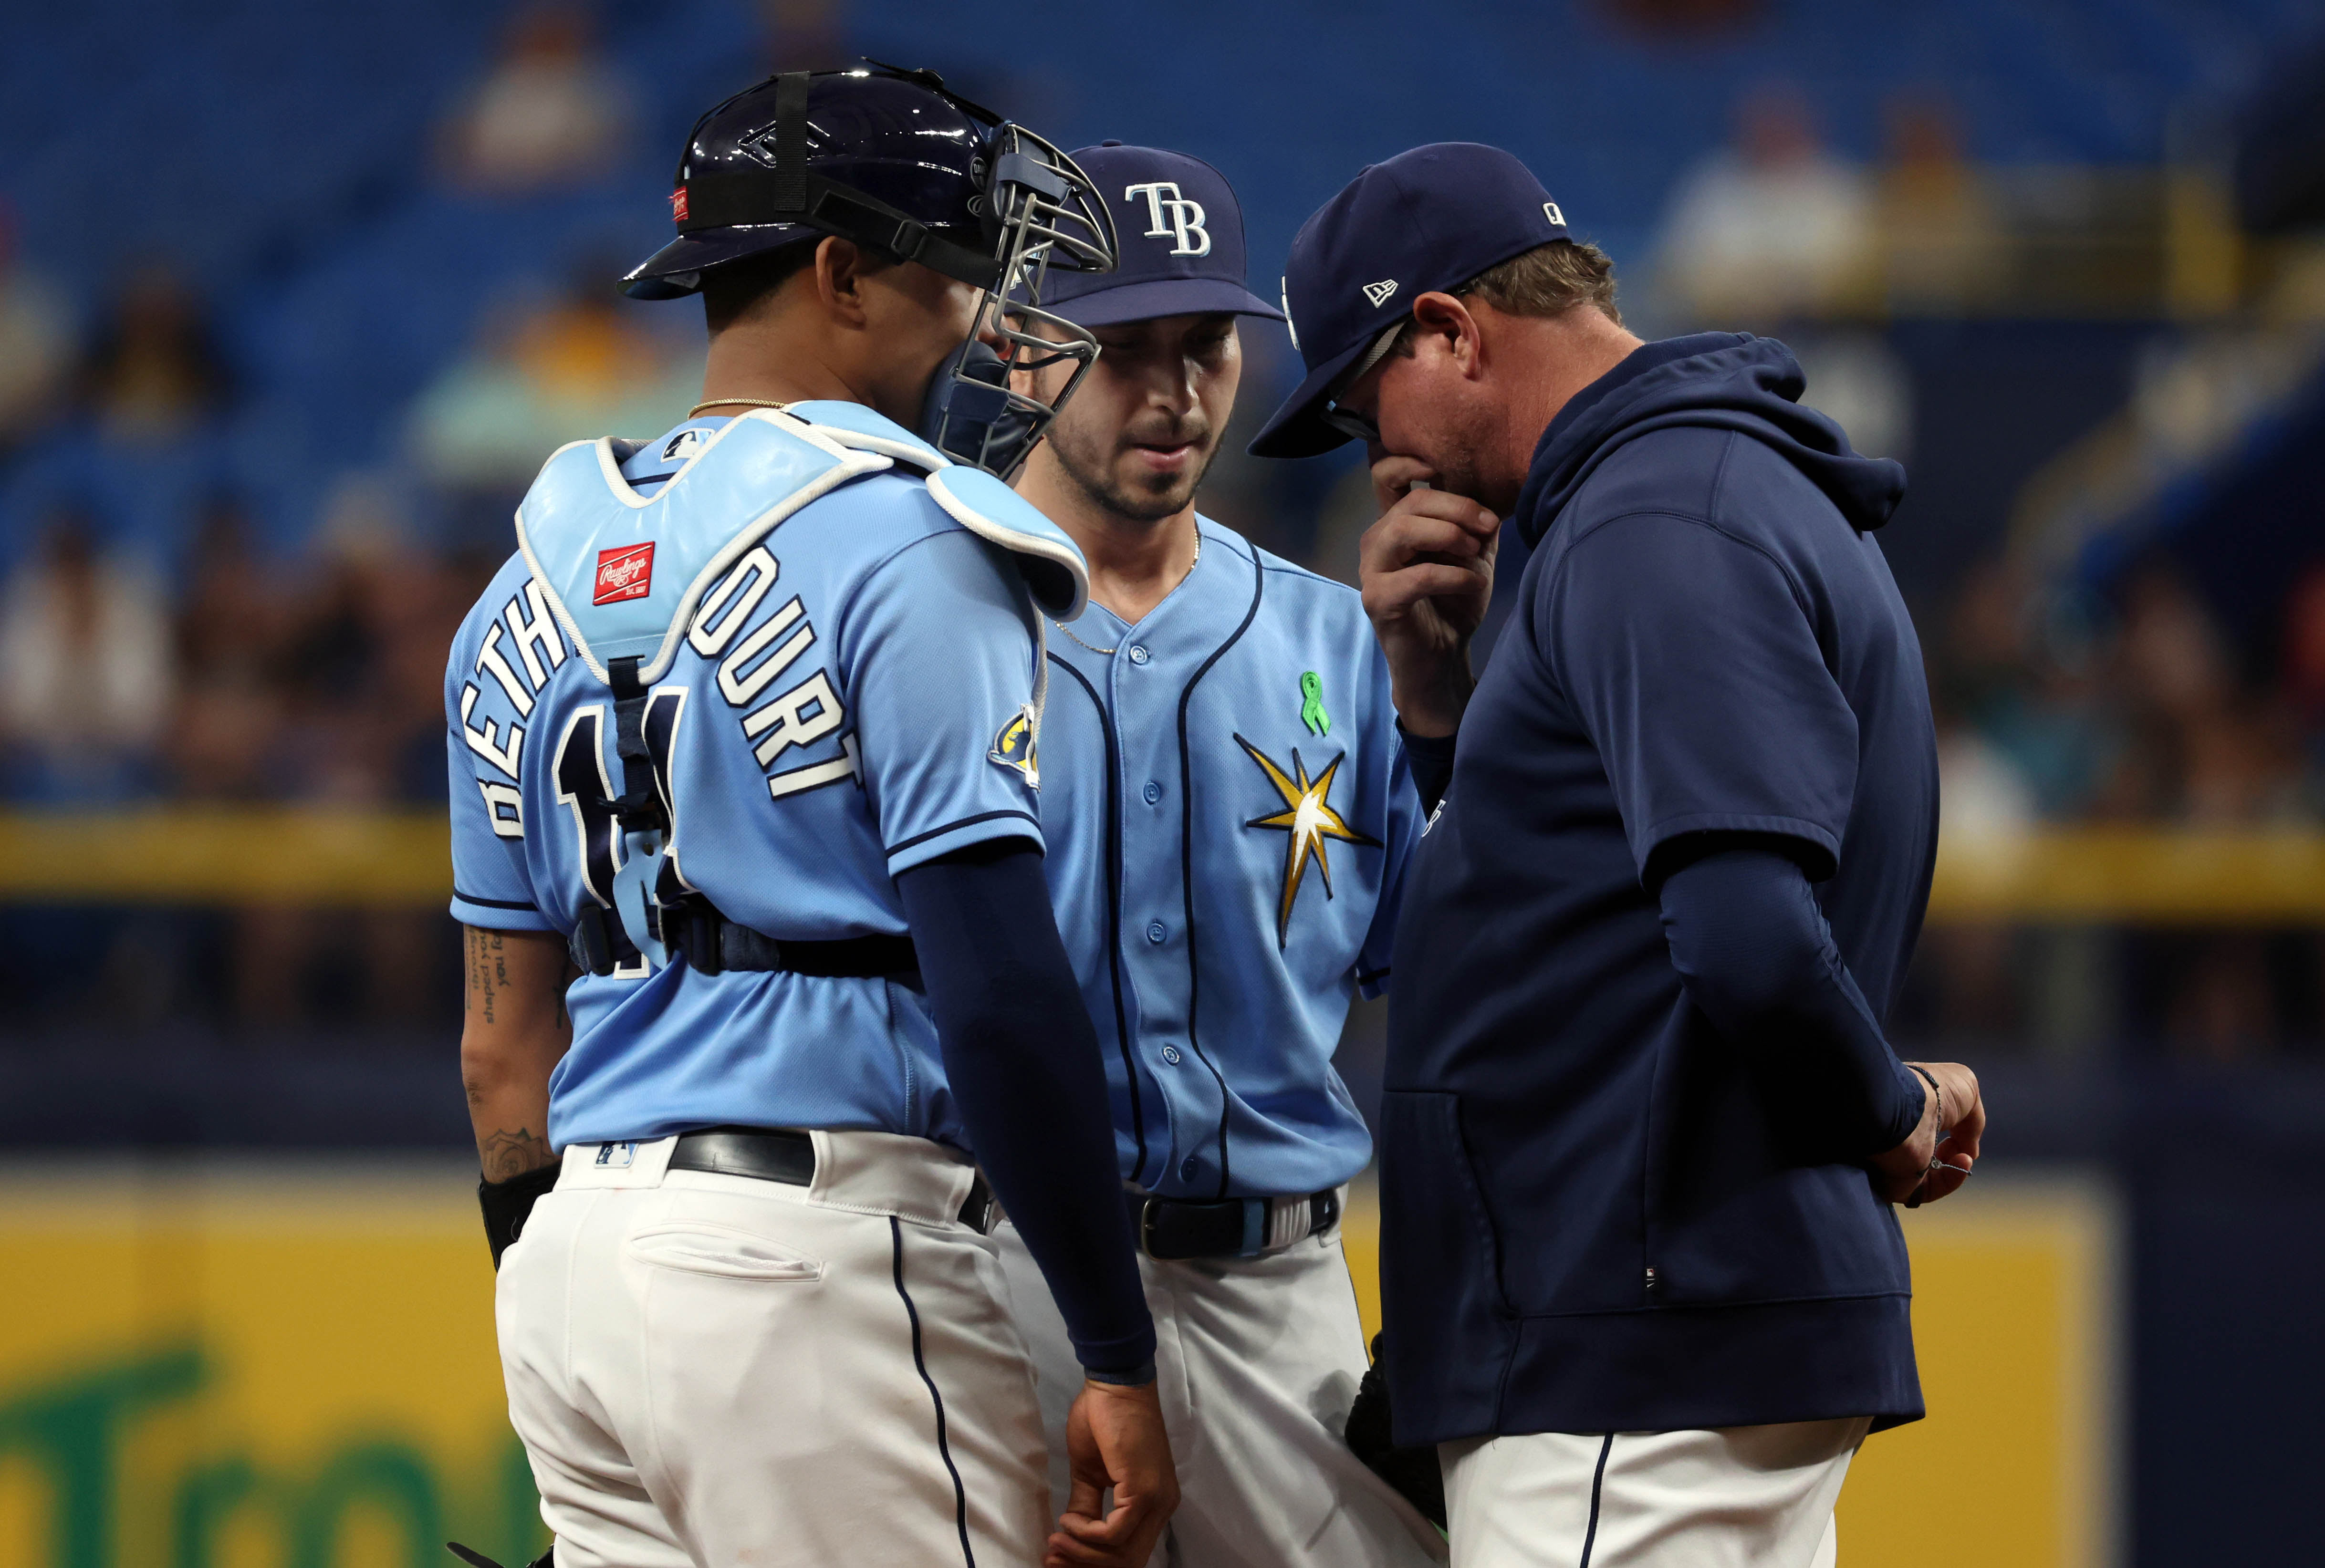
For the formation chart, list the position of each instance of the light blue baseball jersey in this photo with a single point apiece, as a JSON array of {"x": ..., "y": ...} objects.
[
  {"x": 1229, "y": 814},
  {"x": 843, "y": 700}
]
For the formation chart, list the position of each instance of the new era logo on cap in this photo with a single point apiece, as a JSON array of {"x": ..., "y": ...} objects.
[
  {"x": 1378, "y": 293},
  {"x": 623, "y": 573}
]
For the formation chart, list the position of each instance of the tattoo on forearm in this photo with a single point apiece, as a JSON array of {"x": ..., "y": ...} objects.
[
  {"x": 506, "y": 1154},
  {"x": 488, "y": 956}
]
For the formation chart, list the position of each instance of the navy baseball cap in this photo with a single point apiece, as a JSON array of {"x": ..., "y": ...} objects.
[
  {"x": 1431, "y": 218},
  {"x": 1180, "y": 239}
]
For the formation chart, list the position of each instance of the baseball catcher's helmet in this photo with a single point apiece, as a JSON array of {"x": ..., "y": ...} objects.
[{"x": 891, "y": 160}]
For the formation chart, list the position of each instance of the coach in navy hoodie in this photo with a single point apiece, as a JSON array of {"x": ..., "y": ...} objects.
[{"x": 1641, "y": 1130}]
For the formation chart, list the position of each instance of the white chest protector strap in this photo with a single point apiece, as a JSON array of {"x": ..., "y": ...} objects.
[{"x": 625, "y": 573}]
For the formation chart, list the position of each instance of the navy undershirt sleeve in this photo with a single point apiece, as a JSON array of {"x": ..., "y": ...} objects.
[
  {"x": 1431, "y": 758},
  {"x": 1023, "y": 1060},
  {"x": 1757, "y": 959}
]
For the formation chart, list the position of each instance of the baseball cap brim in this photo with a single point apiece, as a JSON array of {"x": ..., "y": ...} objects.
[
  {"x": 673, "y": 272},
  {"x": 1157, "y": 297},
  {"x": 1294, "y": 430}
]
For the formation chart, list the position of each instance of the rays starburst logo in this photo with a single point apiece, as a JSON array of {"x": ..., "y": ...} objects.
[{"x": 1310, "y": 821}]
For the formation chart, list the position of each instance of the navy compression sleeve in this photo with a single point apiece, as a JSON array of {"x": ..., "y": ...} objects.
[
  {"x": 1431, "y": 758},
  {"x": 1022, "y": 1059},
  {"x": 1757, "y": 956}
]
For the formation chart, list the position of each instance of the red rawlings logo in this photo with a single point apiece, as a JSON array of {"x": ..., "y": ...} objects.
[
  {"x": 677, "y": 205},
  {"x": 623, "y": 573}
]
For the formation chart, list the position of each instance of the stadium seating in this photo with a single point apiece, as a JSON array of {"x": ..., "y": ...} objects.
[{"x": 281, "y": 154}]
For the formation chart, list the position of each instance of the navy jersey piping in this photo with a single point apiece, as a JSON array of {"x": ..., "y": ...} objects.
[
  {"x": 1114, "y": 905},
  {"x": 493, "y": 903},
  {"x": 919, "y": 838},
  {"x": 920, "y": 1365},
  {"x": 1187, "y": 860}
]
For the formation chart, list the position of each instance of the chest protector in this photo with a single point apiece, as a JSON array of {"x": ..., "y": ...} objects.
[{"x": 625, "y": 573}]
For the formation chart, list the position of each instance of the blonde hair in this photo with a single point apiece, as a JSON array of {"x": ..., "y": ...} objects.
[{"x": 1548, "y": 280}]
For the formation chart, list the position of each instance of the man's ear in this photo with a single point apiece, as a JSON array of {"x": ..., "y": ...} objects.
[
  {"x": 1447, "y": 326},
  {"x": 840, "y": 275}
]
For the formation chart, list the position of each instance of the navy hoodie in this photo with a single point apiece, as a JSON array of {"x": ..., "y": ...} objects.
[{"x": 1591, "y": 1222}]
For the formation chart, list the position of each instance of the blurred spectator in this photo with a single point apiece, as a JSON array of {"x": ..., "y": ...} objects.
[
  {"x": 363, "y": 659},
  {"x": 362, "y": 672},
  {"x": 2304, "y": 645},
  {"x": 1857, "y": 379},
  {"x": 153, "y": 373},
  {"x": 2033, "y": 706},
  {"x": 2206, "y": 750},
  {"x": 1771, "y": 229},
  {"x": 581, "y": 366},
  {"x": 36, "y": 343},
  {"x": 551, "y": 114},
  {"x": 1940, "y": 235},
  {"x": 229, "y": 706},
  {"x": 85, "y": 671}
]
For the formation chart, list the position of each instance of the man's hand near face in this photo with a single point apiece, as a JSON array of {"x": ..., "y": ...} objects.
[{"x": 1426, "y": 569}]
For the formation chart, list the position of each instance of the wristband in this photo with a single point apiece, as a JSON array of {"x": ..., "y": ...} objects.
[
  {"x": 1938, "y": 1093},
  {"x": 1137, "y": 1377},
  {"x": 508, "y": 1205}
]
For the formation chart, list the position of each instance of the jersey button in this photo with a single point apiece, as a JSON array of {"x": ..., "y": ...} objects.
[
  {"x": 1171, "y": 1055},
  {"x": 1154, "y": 792},
  {"x": 1155, "y": 932},
  {"x": 1186, "y": 1169},
  {"x": 1138, "y": 654}
]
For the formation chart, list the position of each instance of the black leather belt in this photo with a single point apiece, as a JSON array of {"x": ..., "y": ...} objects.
[
  {"x": 771, "y": 1155},
  {"x": 1174, "y": 1229}
]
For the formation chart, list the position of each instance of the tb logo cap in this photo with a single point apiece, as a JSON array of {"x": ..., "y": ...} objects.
[{"x": 1172, "y": 216}]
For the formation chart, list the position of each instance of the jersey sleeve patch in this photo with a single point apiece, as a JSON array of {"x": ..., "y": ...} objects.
[{"x": 1014, "y": 746}]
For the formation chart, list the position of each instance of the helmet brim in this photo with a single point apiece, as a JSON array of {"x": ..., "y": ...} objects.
[{"x": 676, "y": 270}]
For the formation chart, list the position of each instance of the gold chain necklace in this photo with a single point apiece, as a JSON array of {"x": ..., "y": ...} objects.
[
  {"x": 746, "y": 402},
  {"x": 1093, "y": 647}
]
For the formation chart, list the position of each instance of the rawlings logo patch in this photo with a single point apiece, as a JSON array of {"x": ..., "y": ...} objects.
[
  {"x": 623, "y": 573},
  {"x": 677, "y": 205}
]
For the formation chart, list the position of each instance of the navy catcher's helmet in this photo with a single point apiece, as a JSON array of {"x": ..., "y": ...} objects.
[{"x": 890, "y": 159}]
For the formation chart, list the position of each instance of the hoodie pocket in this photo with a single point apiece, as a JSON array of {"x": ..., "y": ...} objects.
[{"x": 1450, "y": 1326}]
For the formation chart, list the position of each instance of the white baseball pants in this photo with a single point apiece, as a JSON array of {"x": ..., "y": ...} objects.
[
  {"x": 1258, "y": 1359},
  {"x": 709, "y": 1371},
  {"x": 1743, "y": 1497}
]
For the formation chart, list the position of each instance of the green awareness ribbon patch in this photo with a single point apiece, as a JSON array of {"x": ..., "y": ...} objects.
[{"x": 1311, "y": 704}]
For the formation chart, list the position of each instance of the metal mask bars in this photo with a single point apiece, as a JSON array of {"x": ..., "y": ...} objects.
[{"x": 1046, "y": 213}]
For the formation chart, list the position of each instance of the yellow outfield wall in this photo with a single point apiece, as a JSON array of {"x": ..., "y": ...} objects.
[
  {"x": 211, "y": 1364},
  {"x": 333, "y": 856}
]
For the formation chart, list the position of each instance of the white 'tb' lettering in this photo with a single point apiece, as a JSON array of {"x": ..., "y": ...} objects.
[{"x": 1172, "y": 216}]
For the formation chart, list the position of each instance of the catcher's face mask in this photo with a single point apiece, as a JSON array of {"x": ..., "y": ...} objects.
[{"x": 1045, "y": 215}]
